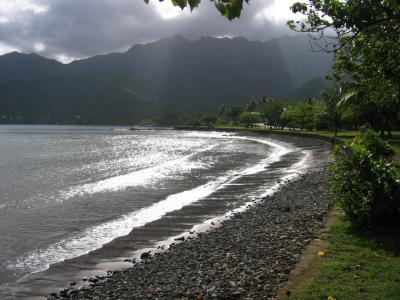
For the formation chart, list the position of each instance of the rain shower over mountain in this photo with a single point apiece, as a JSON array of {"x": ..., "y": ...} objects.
[{"x": 170, "y": 75}]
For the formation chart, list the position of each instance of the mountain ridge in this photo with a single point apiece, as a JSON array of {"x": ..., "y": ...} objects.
[{"x": 172, "y": 74}]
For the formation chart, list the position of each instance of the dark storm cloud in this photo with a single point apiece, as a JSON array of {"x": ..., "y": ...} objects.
[{"x": 80, "y": 28}]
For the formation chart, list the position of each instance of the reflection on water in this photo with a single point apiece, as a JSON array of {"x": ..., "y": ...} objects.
[{"x": 70, "y": 190}]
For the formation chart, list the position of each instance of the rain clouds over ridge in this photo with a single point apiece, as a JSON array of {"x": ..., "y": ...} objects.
[{"x": 73, "y": 29}]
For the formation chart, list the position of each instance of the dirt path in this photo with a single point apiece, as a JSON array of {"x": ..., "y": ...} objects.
[
  {"x": 396, "y": 159},
  {"x": 304, "y": 271}
]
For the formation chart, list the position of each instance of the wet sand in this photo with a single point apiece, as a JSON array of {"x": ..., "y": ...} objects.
[{"x": 248, "y": 257}]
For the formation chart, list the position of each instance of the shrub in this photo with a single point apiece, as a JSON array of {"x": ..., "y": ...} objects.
[
  {"x": 309, "y": 126},
  {"x": 367, "y": 184},
  {"x": 377, "y": 147},
  {"x": 248, "y": 118}
]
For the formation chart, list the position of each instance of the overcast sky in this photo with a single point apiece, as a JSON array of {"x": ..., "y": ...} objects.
[{"x": 73, "y": 29}]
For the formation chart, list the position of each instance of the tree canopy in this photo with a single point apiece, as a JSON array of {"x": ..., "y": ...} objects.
[
  {"x": 230, "y": 9},
  {"x": 365, "y": 37}
]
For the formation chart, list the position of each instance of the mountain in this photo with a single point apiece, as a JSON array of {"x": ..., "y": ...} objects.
[
  {"x": 17, "y": 66},
  {"x": 172, "y": 74},
  {"x": 303, "y": 62},
  {"x": 310, "y": 89}
]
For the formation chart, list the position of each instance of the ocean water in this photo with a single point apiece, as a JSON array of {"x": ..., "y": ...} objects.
[{"x": 66, "y": 191}]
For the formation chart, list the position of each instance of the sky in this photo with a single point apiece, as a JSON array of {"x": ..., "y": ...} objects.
[{"x": 74, "y": 29}]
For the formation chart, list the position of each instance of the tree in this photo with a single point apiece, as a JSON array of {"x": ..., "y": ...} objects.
[
  {"x": 230, "y": 9},
  {"x": 248, "y": 118},
  {"x": 252, "y": 105},
  {"x": 364, "y": 35},
  {"x": 202, "y": 120},
  {"x": 231, "y": 114},
  {"x": 271, "y": 111},
  {"x": 331, "y": 97},
  {"x": 209, "y": 119},
  {"x": 299, "y": 115},
  {"x": 319, "y": 111},
  {"x": 366, "y": 183}
]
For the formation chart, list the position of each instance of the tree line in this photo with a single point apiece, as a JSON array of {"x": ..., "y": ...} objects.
[{"x": 329, "y": 111}]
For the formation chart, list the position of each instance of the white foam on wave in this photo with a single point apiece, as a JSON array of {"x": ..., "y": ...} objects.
[
  {"x": 292, "y": 173},
  {"x": 279, "y": 150},
  {"x": 153, "y": 174},
  {"x": 95, "y": 237},
  {"x": 137, "y": 178},
  {"x": 141, "y": 177},
  {"x": 209, "y": 134}
]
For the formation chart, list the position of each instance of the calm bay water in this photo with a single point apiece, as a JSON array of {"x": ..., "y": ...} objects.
[{"x": 69, "y": 190}]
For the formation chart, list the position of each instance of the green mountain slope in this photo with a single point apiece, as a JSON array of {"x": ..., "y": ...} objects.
[
  {"x": 173, "y": 74},
  {"x": 310, "y": 89}
]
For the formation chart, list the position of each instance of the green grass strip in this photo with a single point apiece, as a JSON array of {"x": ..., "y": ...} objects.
[{"x": 357, "y": 266}]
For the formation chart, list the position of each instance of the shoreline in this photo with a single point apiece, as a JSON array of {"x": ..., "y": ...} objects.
[
  {"x": 265, "y": 131},
  {"x": 114, "y": 256},
  {"x": 249, "y": 256}
]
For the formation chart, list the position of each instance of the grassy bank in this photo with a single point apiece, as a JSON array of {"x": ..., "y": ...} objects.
[{"x": 357, "y": 266}]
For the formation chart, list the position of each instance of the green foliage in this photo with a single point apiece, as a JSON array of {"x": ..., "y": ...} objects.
[
  {"x": 299, "y": 115},
  {"x": 331, "y": 97},
  {"x": 377, "y": 147},
  {"x": 367, "y": 51},
  {"x": 203, "y": 120},
  {"x": 249, "y": 118},
  {"x": 358, "y": 266},
  {"x": 252, "y": 105},
  {"x": 319, "y": 112},
  {"x": 231, "y": 114},
  {"x": 272, "y": 110},
  {"x": 230, "y": 9},
  {"x": 366, "y": 183},
  {"x": 209, "y": 119}
]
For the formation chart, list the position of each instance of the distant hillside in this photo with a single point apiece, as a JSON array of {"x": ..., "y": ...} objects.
[
  {"x": 172, "y": 74},
  {"x": 17, "y": 66},
  {"x": 310, "y": 89},
  {"x": 303, "y": 64}
]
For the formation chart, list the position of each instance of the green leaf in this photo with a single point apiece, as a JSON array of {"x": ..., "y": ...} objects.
[
  {"x": 193, "y": 4},
  {"x": 181, "y": 3},
  {"x": 221, "y": 8}
]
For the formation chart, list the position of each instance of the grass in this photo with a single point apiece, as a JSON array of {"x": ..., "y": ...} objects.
[
  {"x": 349, "y": 135},
  {"x": 357, "y": 266}
]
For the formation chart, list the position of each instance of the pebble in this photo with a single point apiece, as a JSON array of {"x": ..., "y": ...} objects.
[{"x": 248, "y": 257}]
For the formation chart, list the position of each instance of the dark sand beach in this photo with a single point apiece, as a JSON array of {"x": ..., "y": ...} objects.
[{"x": 248, "y": 257}]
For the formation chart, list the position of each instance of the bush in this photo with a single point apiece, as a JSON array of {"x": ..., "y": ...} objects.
[
  {"x": 367, "y": 184},
  {"x": 377, "y": 147},
  {"x": 248, "y": 118},
  {"x": 309, "y": 126}
]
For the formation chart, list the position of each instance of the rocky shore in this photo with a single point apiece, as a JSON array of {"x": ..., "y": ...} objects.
[{"x": 248, "y": 257}]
